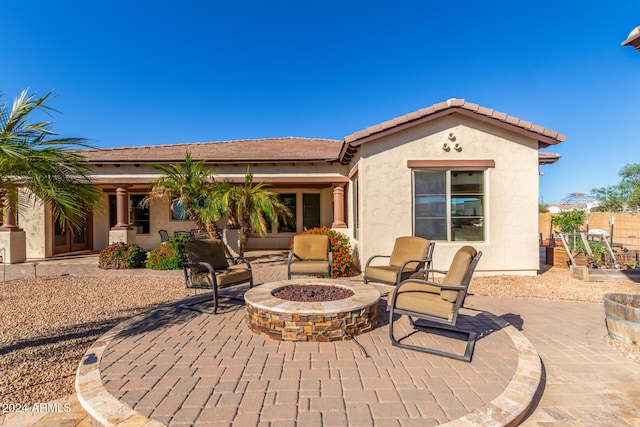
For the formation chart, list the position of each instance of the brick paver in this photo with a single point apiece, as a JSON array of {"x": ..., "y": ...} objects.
[{"x": 286, "y": 382}]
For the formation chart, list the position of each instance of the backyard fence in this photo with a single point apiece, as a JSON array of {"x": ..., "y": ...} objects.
[{"x": 623, "y": 227}]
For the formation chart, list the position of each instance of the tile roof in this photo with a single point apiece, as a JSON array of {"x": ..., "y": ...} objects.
[
  {"x": 248, "y": 150},
  {"x": 545, "y": 158},
  {"x": 544, "y": 136}
]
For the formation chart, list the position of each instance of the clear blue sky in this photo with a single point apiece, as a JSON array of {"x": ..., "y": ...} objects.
[{"x": 145, "y": 73}]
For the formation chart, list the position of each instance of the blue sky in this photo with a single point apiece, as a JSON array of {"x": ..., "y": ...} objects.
[{"x": 146, "y": 73}]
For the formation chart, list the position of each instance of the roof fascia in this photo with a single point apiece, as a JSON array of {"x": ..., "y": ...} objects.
[{"x": 543, "y": 140}]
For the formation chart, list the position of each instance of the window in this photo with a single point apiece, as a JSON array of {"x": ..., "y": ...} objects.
[
  {"x": 178, "y": 211},
  {"x": 289, "y": 224},
  {"x": 310, "y": 211},
  {"x": 449, "y": 205}
]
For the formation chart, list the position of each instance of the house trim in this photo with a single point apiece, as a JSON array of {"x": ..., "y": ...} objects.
[{"x": 449, "y": 164}]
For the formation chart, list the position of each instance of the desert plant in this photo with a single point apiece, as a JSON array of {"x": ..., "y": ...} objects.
[
  {"x": 121, "y": 256},
  {"x": 340, "y": 249},
  {"x": 34, "y": 157},
  {"x": 251, "y": 206},
  {"x": 166, "y": 256}
]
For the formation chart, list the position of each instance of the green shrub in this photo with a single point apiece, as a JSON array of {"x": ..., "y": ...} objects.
[
  {"x": 340, "y": 248},
  {"x": 121, "y": 255},
  {"x": 166, "y": 256}
]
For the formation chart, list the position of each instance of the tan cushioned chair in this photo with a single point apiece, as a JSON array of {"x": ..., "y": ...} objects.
[
  {"x": 310, "y": 255},
  {"x": 436, "y": 302},
  {"x": 409, "y": 254},
  {"x": 206, "y": 266}
]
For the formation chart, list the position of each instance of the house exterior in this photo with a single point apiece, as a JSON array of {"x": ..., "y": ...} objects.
[{"x": 454, "y": 172}]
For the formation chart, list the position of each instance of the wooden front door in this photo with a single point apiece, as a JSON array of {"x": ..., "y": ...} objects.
[{"x": 65, "y": 240}]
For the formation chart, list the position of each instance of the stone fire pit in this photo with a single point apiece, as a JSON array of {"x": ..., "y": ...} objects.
[{"x": 282, "y": 319}]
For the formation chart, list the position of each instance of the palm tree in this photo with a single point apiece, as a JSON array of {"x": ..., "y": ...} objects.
[
  {"x": 194, "y": 187},
  {"x": 251, "y": 206},
  {"x": 33, "y": 157}
]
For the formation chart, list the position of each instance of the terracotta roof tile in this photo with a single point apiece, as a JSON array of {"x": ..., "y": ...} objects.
[
  {"x": 250, "y": 150},
  {"x": 545, "y": 136}
]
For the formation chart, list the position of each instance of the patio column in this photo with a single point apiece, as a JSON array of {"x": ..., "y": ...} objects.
[
  {"x": 122, "y": 209},
  {"x": 13, "y": 241},
  {"x": 338, "y": 206},
  {"x": 122, "y": 231},
  {"x": 9, "y": 215}
]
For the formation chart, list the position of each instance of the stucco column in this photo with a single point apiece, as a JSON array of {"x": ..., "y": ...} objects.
[
  {"x": 338, "y": 206},
  {"x": 13, "y": 242},
  {"x": 122, "y": 209},
  {"x": 9, "y": 215}
]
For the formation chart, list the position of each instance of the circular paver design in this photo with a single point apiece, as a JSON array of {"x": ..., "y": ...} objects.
[
  {"x": 172, "y": 366},
  {"x": 322, "y": 321}
]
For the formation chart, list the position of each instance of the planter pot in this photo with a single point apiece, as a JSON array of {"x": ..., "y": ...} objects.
[{"x": 622, "y": 312}]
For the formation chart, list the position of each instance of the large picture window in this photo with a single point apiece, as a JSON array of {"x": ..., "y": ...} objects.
[{"x": 449, "y": 205}]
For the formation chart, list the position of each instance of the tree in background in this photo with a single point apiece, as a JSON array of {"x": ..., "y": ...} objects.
[
  {"x": 33, "y": 157},
  {"x": 251, "y": 207},
  {"x": 621, "y": 197},
  {"x": 195, "y": 188}
]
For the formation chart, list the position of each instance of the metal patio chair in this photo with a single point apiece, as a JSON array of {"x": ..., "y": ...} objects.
[
  {"x": 436, "y": 303},
  {"x": 409, "y": 255},
  {"x": 205, "y": 266},
  {"x": 310, "y": 255}
]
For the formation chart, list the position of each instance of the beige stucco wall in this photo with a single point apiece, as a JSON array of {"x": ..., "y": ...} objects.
[
  {"x": 35, "y": 219},
  {"x": 511, "y": 191}
]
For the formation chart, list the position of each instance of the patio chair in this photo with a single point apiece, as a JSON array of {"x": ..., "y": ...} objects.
[
  {"x": 164, "y": 235},
  {"x": 310, "y": 255},
  {"x": 205, "y": 266},
  {"x": 436, "y": 303},
  {"x": 409, "y": 255}
]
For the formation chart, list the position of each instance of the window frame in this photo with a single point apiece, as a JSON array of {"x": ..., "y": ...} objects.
[{"x": 449, "y": 195}]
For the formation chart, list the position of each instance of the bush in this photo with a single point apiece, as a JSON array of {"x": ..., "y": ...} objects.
[
  {"x": 340, "y": 248},
  {"x": 166, "y": 256},
  {"x": 121, "y": 255}
]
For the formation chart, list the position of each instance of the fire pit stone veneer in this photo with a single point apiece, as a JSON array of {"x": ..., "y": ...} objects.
[{"x": 323, "y": 321}]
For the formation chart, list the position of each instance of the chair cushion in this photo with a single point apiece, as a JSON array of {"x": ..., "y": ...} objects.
[
  {"x": 381, "y": 273},
  {"x": 456, "y": 274},
  {"x": 408, "y": 247},
  {"x": 309, "y": 267},
  {"x": 422, "y": 303},
  {"x": 232, "y": 276},
  {"x": 199, "y": 278},
  {"x": 311, "y": 247},
  {"x": 207, "y": 250},
  {"x": 424, "y": 287}
]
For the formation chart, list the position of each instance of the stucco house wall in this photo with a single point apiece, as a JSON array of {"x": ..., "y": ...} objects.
[{"x": 511, "y": 190}]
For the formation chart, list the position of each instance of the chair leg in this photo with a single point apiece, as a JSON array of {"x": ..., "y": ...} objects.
[
  {"x": 216, "y": 298},
  {"x": 466, "y": 357}
]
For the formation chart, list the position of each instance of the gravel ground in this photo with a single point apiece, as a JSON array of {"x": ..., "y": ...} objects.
[{"x": 47, "y": 324}]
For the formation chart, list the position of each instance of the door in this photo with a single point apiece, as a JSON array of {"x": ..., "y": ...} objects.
[{"x": 65, "y": 240}]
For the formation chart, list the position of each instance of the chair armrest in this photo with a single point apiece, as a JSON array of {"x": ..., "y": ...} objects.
[
  {"x": 201, "y": 264},
  {"x": 442, "y": 286},
  {"x": 376, "y": 256},
  {"x": 239, "y": 259},
  {"x": 425, "y": 260}
]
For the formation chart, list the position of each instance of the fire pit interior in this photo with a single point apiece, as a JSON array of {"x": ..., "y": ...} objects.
[
  {"x": 312, "y": 293},
  {"x": 312, "y": 310}
]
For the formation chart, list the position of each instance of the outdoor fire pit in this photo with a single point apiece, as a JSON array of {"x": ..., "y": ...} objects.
[{"x": 312, "y": 309}]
